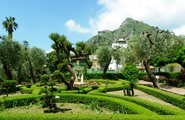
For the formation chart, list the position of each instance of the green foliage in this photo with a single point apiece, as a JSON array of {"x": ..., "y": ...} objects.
[
  {"x": 128, "y": 28},
  {"x": 131, "y": 73},
  {"x": 10, "y": 56},
  {"x": 22, "y": 100},
  {"x": 141, "y": 75},
  {"x": 111, "y": 76},
  {"x": 156, "y": 107},
  {"x": 176, "y": 100},
  {"x": 171, "y": 78},
  {"x": 24, "y": 90},
  {"x": 10, "y": 25},
  {"x": 9, "y": 85},
  {"x": 81, "y": 116},
  {"x": 114, "y": 104},
  {"x": 104, "y": 55},
  {"x": 64, "y": 55},
  {"x": 34, "y": 89},
  {"x": 180, "y": 56},
  {"x": 49, "y": 101},
  {"x": 160, "y": 61},
  {"x": 44, "y": 79}
]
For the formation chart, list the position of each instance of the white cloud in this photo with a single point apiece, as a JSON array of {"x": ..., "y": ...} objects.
[
  {"x": 48, "y": 51},
  {"x": 180, "y": 30},
  {"x": 73, "y": 26},
  {"x": 165, "y": 14}
]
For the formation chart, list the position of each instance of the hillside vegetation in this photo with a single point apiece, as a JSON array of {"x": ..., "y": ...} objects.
[{"x": 126, "y": 30}]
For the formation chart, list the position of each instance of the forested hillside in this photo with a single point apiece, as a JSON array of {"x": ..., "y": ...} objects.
[{"x": 126, "y": 30}]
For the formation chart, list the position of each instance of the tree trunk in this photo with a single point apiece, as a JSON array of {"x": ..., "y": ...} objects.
[
  {"x": 31, "y": 71},
  {"x": 19, "y": 78},
  {"x": 159, "y": 70},
  {"x": 7, "y": 71},
  {"x": 106, "y": 68},
  {"x": 73, "y": 77},
  {"x": 149, "y": 73}
]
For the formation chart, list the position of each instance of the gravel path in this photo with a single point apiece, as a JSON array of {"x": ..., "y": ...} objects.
[
  {"x": 142, "y": 95},
  {"x": 176, "y": 90}
]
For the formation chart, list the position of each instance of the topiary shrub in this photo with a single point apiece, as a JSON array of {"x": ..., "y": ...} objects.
[
  {"x": 48, "y": 99},
  {"x": 9, "y": 86},
  {"x": 131, "y": 74}
]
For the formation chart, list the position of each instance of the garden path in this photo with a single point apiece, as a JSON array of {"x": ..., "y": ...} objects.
[
  {"x": 142, "y": 95},
  {"x": 176, "y": 90}
]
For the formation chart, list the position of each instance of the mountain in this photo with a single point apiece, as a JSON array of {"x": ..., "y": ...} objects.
[{"x": 126, "y": 30}]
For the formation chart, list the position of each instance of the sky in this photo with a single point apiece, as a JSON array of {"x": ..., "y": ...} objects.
[{"x": 79, "y": 20}]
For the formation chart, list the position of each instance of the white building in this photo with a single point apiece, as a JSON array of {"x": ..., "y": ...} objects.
[{"x": 121, "y": 43}]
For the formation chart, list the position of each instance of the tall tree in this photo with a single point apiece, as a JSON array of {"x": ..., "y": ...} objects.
[
  {"x": 10, "y": 25},
  {"x": 10, "y": 52},
  {"x": 36, "y": 59},
  {"x": 64, "y": 54},
  {"x": 104, "y": 55},
  {"x": 149, "y": 45}
]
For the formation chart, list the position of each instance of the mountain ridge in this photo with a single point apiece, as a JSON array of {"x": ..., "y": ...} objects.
[{"x": 127, "y": 29}]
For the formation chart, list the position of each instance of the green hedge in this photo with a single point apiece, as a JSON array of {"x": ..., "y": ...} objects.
[
  {"x": 24, "y": 90},
  {"x": 22, "y": 100},
  {"x": 174, "y": 99},
  {"x": 114, "y": 104},
  {"x": 34, "y": 89},
  {"x": 112, "y": 86},
  {"x": 111, "y": 76},
  {"x": 169, "y": 74},
  {"x": 70, "y": 116},
  {"x": 156, "y": 107},
  {"x": 7, "y": 86}
]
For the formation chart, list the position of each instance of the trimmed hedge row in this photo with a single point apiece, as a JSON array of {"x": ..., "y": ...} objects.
[
  {"x": 118, "y": 85},
  {"x": 104, "y": 89},
  {"x": 114, "y": 104},
  {"x": 69, "y": 116},
  {"x": 176, "y": 100},
  {"x": 22, "y": 100},
  {"x": 34, "y": 89},
  {"x": 111, "y": 76},
  {"x": 156, "y": 107}
]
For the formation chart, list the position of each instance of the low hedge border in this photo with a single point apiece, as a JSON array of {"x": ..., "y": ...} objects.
[
  {"x": 34, "y": 89},
  {"x": 114, "y": 104},
  {"x": 22, "y": 100},
  {"x": 70, "y": 116},
  {"x": 158, "y": 108},
  {"x": 174, "y": 99}
]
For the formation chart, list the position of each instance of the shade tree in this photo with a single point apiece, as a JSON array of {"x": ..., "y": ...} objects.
[
  {"x": 63, "y": 56},
  {"x": 148, "y": 46},
  {"x": 10, "y": 53}
]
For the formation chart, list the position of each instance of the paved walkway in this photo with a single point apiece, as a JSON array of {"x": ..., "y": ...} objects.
[{"x": 176, "y": 90}]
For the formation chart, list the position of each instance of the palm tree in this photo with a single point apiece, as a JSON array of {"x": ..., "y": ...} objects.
[{"x": 10, "y": 25}]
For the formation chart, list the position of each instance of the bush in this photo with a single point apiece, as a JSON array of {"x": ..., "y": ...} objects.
[
  {"x": 131, "y": 73},
  {"x": 22, "y": 100},
  {"x": 141, "y": 75},
  {"x": 24, "y": 90},
  {"x": 8, "y": 86}
]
